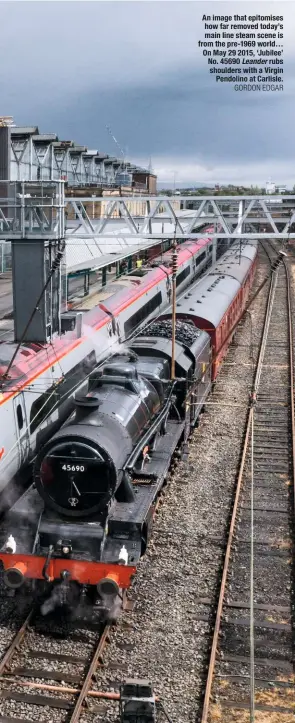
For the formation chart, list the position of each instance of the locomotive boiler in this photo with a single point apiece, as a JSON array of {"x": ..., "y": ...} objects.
[{"x": 80, "y": 470}]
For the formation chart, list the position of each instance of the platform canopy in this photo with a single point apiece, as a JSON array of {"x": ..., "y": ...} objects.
[{"x": 97, "y": 252}]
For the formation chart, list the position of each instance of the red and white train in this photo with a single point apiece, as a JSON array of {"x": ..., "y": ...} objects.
[{"x": 37, "y": 396}]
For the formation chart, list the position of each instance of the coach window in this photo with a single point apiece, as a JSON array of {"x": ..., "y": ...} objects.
[
  {"x": 42, "y": 407},
  {"x": 200, "y": 258},
  {"x": 19, "y": 414},
  {"x": 183, "y": 275},
  {"x": 143, "y": 313}
]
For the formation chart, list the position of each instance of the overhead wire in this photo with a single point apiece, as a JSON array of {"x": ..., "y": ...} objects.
[
  {"x": 80, "y": 383},
  {"x": 128, "y": 338},
  {"x": 274, "y": 279},
  {"x": 73, "y": 389},
  {"x": 252, "y": 639}
]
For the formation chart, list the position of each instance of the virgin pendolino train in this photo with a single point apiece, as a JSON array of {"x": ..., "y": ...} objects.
[{"x": 82, "y": 527}]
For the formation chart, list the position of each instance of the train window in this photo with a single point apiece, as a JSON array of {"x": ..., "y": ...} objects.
[
  {"x": 200, "y": 258},
  {"x": 42, "y": 407},
  {"x": 142, "y": 313},
  {"x": 219, "y": 248},
  {"x": 19, "y": 414},
  {"x": 183, "y": 275},
  {"x": 56, "y": 395}
]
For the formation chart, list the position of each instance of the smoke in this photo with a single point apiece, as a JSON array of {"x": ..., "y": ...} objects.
[
  {"x": 51, "y": 603},
  {"x": 62, "y": 595},
  {"x": 108, "y": 607},
  {"x": 112, "y": 607},
  {"x": 9, "y": 493}
]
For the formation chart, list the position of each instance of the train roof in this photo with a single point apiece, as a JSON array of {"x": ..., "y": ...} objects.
[
  {"x": 33, "y": 359},
  {"x": 212, "y": 301},
  {"x": 210, "y": 298},
  {"x": 234, "y": 261}
]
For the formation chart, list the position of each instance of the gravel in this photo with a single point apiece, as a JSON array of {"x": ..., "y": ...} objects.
[
  {"x": 163, "y": 638},
  {"x": 166, "y": 642},
  {"x": 273, "y": 650}
]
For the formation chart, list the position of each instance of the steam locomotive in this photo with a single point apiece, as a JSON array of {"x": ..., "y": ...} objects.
[{"x": 82, "y": 527}]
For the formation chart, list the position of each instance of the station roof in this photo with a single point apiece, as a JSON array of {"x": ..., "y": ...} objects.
[
  {"x": 84, "y": 253},
  {"x": 79, "y": 258},
  {"x": 77, "y": 149},
  {"x": 44, "y": 137},
  {"x": 89, "y": 152},
  {"x": 62, "y": 144},
  {"x": 24, "y": 130}
]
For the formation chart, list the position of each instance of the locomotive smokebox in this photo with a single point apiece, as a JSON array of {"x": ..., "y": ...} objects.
[
  {"x": 79, "y": 471},
  {"x": 77, "y": 475}
]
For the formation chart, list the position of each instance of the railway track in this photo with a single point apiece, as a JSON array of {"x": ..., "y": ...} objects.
[
  {"x": 53, "y": 678},
  {"x": 60, "y": 680},
  {"x": 251, "y": 668}
]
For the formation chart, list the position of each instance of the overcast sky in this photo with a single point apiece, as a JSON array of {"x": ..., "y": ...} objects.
[{"x": 74, "y": 67}]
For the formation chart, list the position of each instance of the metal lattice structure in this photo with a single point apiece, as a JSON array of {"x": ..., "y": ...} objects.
[
  {"x": 40, "y": 209},
  {"x": 31, "y": 155},
  {"x": 36, "y": 217}
]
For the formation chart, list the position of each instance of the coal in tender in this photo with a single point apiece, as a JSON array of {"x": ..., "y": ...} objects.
[{"x": 185, "y": 333}]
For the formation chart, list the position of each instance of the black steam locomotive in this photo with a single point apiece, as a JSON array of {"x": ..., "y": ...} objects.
[{"x": 86, "y": 520}]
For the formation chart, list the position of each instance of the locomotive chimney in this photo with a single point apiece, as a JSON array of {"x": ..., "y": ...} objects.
[{"x": 84, "y": 406}]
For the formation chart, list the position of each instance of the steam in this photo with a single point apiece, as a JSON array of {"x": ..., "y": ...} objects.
[
  {"x": 112, "y": 607},
  {"x": 54, "y": 600},
  {"x": 9, "y": 493},
  {"x": 113, "y": 345},
  {"x": 108, "y": 607}
]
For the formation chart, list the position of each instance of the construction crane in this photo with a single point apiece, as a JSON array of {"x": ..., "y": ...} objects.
[
  {"x": 124, "y": 178},
  {"x": 116, "y": 142}
]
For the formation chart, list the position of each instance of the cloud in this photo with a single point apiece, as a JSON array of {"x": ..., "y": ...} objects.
[
  {"x": 74, "y": 68},
  {"x": 192, "y": 172},
  {"x": 189, "y": 116}
]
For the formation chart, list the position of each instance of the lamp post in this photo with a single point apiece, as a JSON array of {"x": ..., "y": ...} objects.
[
  {"x": 93, "y": 202},
  {"x": 174, "y": 272}
]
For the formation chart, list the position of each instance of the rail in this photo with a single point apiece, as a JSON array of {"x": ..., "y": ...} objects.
[
  {"x": 259, "y": 448},
  {"x": 18, "y": 676}
]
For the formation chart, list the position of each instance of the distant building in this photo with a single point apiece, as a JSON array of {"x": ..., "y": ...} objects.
[
  {"x": 270, "y": 187},
  {"x": 28, "y": 155}
]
